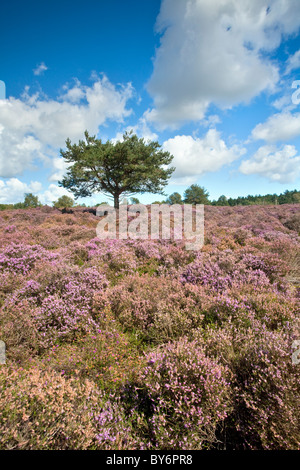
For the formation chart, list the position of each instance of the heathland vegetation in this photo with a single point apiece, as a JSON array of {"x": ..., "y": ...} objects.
[{"x": 141, "y": 344}]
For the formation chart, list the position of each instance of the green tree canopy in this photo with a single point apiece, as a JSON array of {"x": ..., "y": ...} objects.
[
  {"x": 104, "y": 203},
  {"x": 31, "y": 201},
  {"x": 196, "y": 194},
  {"x": 174, "y": 198},
  {"x": 222, "y": 201},
  {"x": 116, "y": 169},
  {"x": 134, "y": 200},
  {"x": 63, "y": 201}
]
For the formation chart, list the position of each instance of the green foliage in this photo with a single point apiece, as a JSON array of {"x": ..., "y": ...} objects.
[
  {"x": 18, "y": 205},
  {"x": 102, "y": 204},
  {"x": 288, "y": 197},
  {"x": 120, "y": 169},
  {"x": 134, "y": 200},
  {"x": 63, "y": 201},
  {"x": 222, "y": 201},
  {"x": 174, "y": 198},
  {"x": 196, "y": 194},
  {"x": 4, "y": 207},
  {"x": 31, "y": 201}
]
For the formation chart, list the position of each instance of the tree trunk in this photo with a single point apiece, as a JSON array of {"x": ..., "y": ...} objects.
[{"x": 116, "y": 201}]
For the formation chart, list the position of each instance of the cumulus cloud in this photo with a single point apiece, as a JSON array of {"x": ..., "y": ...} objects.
[
  {"x": 53, "y": 193},
  {"x": 279, "y": 165},
  {"x": 73, "y": 94},
  {"x": 279, "y": 127},
  {"x": 141, "y": 129},
  {"x": 40, "y": 69},
  {"x": 59, "y": 169},
  {"x": 17, "y": 152},
  {"x": 35, "y": 127},
  {"x": 13, "y": 190},
  {"x": 215, "y": 52},
  {"x": 195, "y": 156}
]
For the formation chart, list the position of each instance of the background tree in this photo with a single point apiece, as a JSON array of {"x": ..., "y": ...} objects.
[
  {"x": 121, "y": 169},
  {"x": 102, "y": 204},
  {"x": 296, "y": 197},
  {"x": 63, "y": 201},
  {"x": 174, "y": 198},
  {"x": 134, "y": 200},
  {"x": 222, "y": 201},
  {"x": 30, "y": 201},
  {"x": 196, "y": 194}
]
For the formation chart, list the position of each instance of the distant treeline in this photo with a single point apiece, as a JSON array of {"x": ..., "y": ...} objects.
[
  {"x": 198, "y": 195},
  {"x": 288, "y": 197}
]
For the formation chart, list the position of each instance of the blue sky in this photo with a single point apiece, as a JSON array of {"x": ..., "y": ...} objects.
[{"x": 216, "y": 82}]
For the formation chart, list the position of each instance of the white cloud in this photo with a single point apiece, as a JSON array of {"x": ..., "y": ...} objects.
[
  {"x": 215, "y": 52},
  {"x": 18, "y": 151},
  {"x": 74, "y": 94},
  {"x": 211, "y": 121},
  {"x": 141, "y": 129},
  {"x": 53, "y": 193},
  {"x": 279, "y": 127},
  {"x": 284, "y": 102},
  {"x": 293, "y": 62},
  {"x": 13, "y": 190},
  {"x": 60, "y": 167},
  {"x": 279, "y": 165},
  {"x": 40, "y": 69},
  {"x": 195, "y": 156},
  {"x": 35, "y": 127}
]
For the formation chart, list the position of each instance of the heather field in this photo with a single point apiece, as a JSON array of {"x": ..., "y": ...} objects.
[{"x": 140, "y": 344}]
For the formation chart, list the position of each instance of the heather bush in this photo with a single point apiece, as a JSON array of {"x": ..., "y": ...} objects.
[
  {"x": 21, "y": 258},
  {"x": 75, "y": 253},
  {"x": 157, "y": 308},
  {"x": 275, "y": 310},
  {"x": 106, "y": 356},
  {"x": 18, "y": 330},
  {"x": 41, "y": 410},
  {"x": 58, "y": 304},
  {"x": 265, "y": 385},
  {"x": 226, "y": 269},
  {"x": 114, "y": 256},
  {"x": 187, "y": 395},
  {"x": 293, "y": 223}
]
